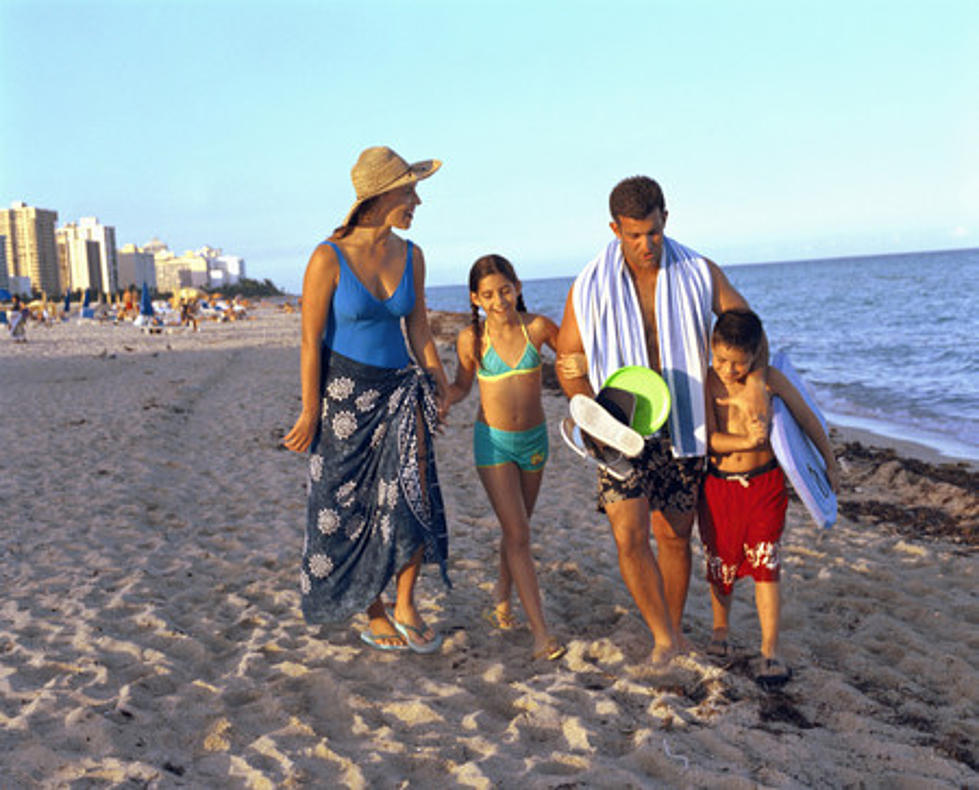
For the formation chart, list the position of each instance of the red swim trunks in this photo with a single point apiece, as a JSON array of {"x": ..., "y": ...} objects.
[{"x": 741, "y": 522}]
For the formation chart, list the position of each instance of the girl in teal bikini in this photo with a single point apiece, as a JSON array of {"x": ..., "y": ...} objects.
[{"x": 510, "y": 434}]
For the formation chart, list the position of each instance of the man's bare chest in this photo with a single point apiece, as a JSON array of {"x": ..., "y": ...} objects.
[{"x": 646, "y": 291}]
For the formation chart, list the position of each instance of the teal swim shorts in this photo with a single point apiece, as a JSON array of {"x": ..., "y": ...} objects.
[{"x": 495, "y": 447}]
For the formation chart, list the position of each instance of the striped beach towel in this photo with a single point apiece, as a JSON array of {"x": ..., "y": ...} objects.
[{"x": 610, "y": 323}]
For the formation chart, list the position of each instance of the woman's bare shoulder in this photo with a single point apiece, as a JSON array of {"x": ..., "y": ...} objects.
[
  {"x": 324, "y": 263},
  {"x": 325, "y": 254},
  {"x": 402, "y": 247}
]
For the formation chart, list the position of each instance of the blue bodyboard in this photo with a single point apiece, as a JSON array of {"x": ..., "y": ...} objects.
[{"x": 802, "y": 463}]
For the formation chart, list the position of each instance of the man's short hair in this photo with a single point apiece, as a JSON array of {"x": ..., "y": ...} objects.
[{"x": 636, "y": 197}]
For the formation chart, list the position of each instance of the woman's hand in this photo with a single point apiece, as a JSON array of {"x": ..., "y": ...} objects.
[
  {"x": 454, "y": 394},
  {"x": 443, "y": 399},
  {"x": 302, "y": 433}
]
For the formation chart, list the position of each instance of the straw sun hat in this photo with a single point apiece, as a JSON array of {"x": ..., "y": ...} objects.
[{"x": 379, "y": 170}]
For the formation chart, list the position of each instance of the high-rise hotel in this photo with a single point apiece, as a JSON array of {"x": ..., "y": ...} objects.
[
  {"x": 76, "y": 255},
  {"x": 31, "y": 250}
]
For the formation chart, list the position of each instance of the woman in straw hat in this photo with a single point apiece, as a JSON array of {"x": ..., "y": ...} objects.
[{"x": 368, "y": 414}]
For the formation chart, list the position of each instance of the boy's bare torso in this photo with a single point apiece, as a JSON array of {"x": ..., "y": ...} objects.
[{"x": 736, "y": 417}]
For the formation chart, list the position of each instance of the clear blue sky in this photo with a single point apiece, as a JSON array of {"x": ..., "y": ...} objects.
[{"x": 779, "y": 130}]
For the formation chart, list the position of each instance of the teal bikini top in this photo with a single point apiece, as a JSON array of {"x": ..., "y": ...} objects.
[{"x": 492, "y": 367}]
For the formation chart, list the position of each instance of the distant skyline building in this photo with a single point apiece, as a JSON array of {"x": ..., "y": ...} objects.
[
  {"x": 30, "y": 246},
  {"x": 136, "y": 267},
  {"x": 91, "y": 229},
  {"x": 82, "y": 255},
  {"x": 4, "y": 276},
  {"x": 79, "y": 260},
  {"x": 210, "y": 255},
  {"x": 174, "y": 272},
  {"x": 167, "y": 277},
  {"x": 206, "y": 267},
  {"x": 154, "y": 245},
  {"x": 227, "y": 270},
  {"x": 64, "y": 260},
  {"x": 167, "y": 272}
]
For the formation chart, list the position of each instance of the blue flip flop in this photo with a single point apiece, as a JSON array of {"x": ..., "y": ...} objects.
[
  {"x": 406, "y": 632},
  {"x": 370, "y": 638}
]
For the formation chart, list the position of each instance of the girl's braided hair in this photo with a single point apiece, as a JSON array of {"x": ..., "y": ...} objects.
[{"x": 483, "y": 267}]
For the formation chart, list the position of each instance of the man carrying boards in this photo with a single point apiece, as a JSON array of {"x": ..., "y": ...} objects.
[{"x": 646, "y": 301}]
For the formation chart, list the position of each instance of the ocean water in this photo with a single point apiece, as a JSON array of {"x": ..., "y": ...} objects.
[{"x": 889, "y": 343}]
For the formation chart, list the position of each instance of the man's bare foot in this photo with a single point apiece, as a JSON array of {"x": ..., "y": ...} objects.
[
  {"x": 663, "y": 655},
  {"x": 772, "y": 672}
]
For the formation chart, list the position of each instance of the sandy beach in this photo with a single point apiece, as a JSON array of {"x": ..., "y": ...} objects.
[{"x": 150, "y": 631}]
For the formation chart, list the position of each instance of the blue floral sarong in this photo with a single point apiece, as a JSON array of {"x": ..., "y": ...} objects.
[{"x": 368, "y": 510}]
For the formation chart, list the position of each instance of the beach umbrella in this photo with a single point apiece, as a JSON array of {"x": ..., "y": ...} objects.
[{"x": 145, "y": 305}]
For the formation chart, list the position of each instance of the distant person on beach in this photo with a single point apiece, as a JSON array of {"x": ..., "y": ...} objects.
[
  {"x": 188, "y": 313},
  {"x": 368, "y": 414},
  {"x": 647, "y": 300},
  {"x": 510, "y": 434},
  {"x": 130, "y": 305},
  {"x": 742, "y": 510},
  {"x": 17, "y": 320}
]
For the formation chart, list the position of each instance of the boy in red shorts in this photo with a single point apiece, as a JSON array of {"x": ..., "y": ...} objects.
[{"x": 742, "y": 510}]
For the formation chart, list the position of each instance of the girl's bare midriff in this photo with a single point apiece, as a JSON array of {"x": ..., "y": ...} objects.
[{"x": 512, "y": 403}]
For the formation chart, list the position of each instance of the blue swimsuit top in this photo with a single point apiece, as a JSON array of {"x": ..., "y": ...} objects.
[
  {"x": 365, "y": 328},
  {"x": 493, "y": 367}
]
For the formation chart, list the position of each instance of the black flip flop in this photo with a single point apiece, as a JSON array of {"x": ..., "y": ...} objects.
[{"x": 774, "y": 673}]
